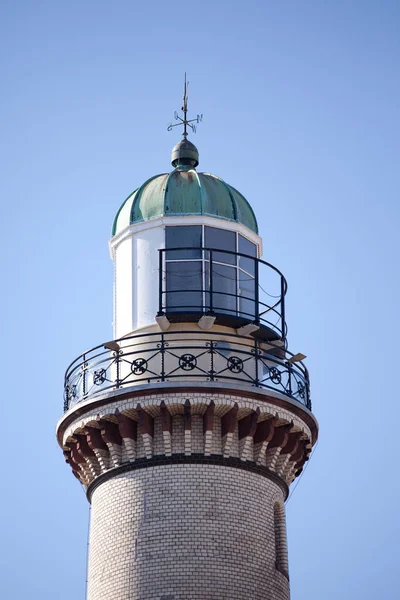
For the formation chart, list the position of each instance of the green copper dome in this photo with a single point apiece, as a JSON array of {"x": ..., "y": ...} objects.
[{"x": 184, "y": 192}]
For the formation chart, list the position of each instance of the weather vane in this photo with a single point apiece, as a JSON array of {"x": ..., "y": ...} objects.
[{"x": 185, "y": 121}]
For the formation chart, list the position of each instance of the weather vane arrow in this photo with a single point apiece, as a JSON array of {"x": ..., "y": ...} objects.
[{"x": 185, "y": 121}]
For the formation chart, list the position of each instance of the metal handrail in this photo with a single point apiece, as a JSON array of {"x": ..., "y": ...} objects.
[
  {"x": 186, "y": 355},
  {"x": 278, "y": 307}
]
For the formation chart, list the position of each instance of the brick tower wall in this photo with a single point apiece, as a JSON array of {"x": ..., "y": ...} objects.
[
  {"x": 187, "y": 490},
  {"x": 186, "y": 532}
]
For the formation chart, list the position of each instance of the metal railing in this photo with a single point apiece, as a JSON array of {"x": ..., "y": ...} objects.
[
  {"x": 186, "y": 356},
  {"x": 218, "y": 271}
]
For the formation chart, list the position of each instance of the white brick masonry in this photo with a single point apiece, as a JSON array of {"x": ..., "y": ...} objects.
[{"x": 187, "y": 532}]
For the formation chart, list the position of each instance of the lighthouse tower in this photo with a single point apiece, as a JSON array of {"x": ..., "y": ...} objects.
[{"x": 188, "y": 427}]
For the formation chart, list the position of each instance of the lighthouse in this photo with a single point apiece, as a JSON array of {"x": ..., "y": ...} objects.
[{"x": 187, "y": 428}]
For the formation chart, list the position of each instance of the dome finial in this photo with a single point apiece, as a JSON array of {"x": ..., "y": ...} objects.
[{"x": 185, "y": 153}]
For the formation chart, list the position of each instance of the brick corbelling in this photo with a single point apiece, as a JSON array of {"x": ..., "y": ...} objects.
[
  {"x": 179, "y": 404},
  {"x": 110, "y": 432},
  {"x": 180, "y": 459},
  {"x": 248, "y": 425},
  {"x": 208, "y": 418},
  {"x": 166, "y": 418},
  {"x": 166, "y": 390},
  {"x": 228, "y": 421},
  {"x": 95, "y": 439},
  {"x": 171, "y": 424},
  {"x": 187, "y": 420},
  {"x": 127, "y": 426},
  {"x": 265, "y": 430}
]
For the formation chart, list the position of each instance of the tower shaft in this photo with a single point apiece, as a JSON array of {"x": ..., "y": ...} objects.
[{"x": 188, "y": 503}]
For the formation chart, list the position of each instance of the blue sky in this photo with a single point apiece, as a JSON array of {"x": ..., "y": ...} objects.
[{"x": 301, "y": 114}]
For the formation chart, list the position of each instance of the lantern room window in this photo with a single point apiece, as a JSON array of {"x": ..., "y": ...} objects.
[
  {"x": 184, "y": 237},
  {"x": 204, "y": 271},
  {"x": 221, "y": 239}
]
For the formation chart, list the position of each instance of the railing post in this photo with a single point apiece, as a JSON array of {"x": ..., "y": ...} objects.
[
  {"x": 211, "y": 360},
  {"x": 160, "y": 282},
  {"x": 84, "y": 378},
  {"x": 211, "y": 283},
  {"x": 290, "y": 378},
  {"x": 283, "y": 322},
  {"x": 66, "y": 396},
  {"x": 118, "y": 373},
  {"x": 256, "y": 359},
  {"x": 257, "y": 291},
  {"x": 307, "y": 386},
  {"x": 162, "y": 350}
]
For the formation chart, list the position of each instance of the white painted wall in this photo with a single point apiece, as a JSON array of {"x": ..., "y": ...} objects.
[
  {"x": 136, "y": 280},
  {"x": 123, "y": 288},
  {"x": 145, "y": 280}
]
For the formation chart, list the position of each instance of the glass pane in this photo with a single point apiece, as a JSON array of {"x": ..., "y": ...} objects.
[
  {"x": 222, "y": 240},
  {"x": 183, "y": 236},
  {"x": 247, "y": 247},
  {"x": 247, "y": 294},
  {"x": 224, "y": 288},
  {"x": 184, "y": 286}
]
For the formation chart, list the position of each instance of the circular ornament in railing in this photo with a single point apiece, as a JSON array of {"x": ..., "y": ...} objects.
[
  {"x": 275, "y": 375},
  {"x": 139, "y": 366},
  {"x": 235, "y": 364},
  {"x": 301, "y": 390},
  {"x": 99, "y": 376},
  {"x": 187, "y": 362}
]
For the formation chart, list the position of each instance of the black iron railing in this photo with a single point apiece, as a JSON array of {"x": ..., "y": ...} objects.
[
  {"x": 221, "y": 282},
  {"x": 186, "y": 356}
]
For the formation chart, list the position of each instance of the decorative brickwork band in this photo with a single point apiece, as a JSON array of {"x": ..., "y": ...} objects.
[{"x": 168, "y": 426}]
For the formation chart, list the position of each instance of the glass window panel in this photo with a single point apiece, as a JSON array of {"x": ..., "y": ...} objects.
[
  {"x": 184, "y": 286},
  {"x": 183, "y": 236},
  {"x": 247, "y": 247},
  {"x": 221, "y": 239},
  {"x": 224, "y": 288},
  {"x": 247, "y": 296}
]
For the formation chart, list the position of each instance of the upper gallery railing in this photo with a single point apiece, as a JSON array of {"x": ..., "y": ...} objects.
[
  {"x": 211, "y": 281},
  {"x": 187, "y": 356}
]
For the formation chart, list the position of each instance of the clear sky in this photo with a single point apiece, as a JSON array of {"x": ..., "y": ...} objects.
[{"x": 301, "y": 114}]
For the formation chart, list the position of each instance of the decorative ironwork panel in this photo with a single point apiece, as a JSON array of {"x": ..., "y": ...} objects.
[{"x": 160, "y": 357}]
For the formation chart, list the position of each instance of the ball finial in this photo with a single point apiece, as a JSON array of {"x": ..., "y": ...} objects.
[{"x": 185, "y": 154}]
